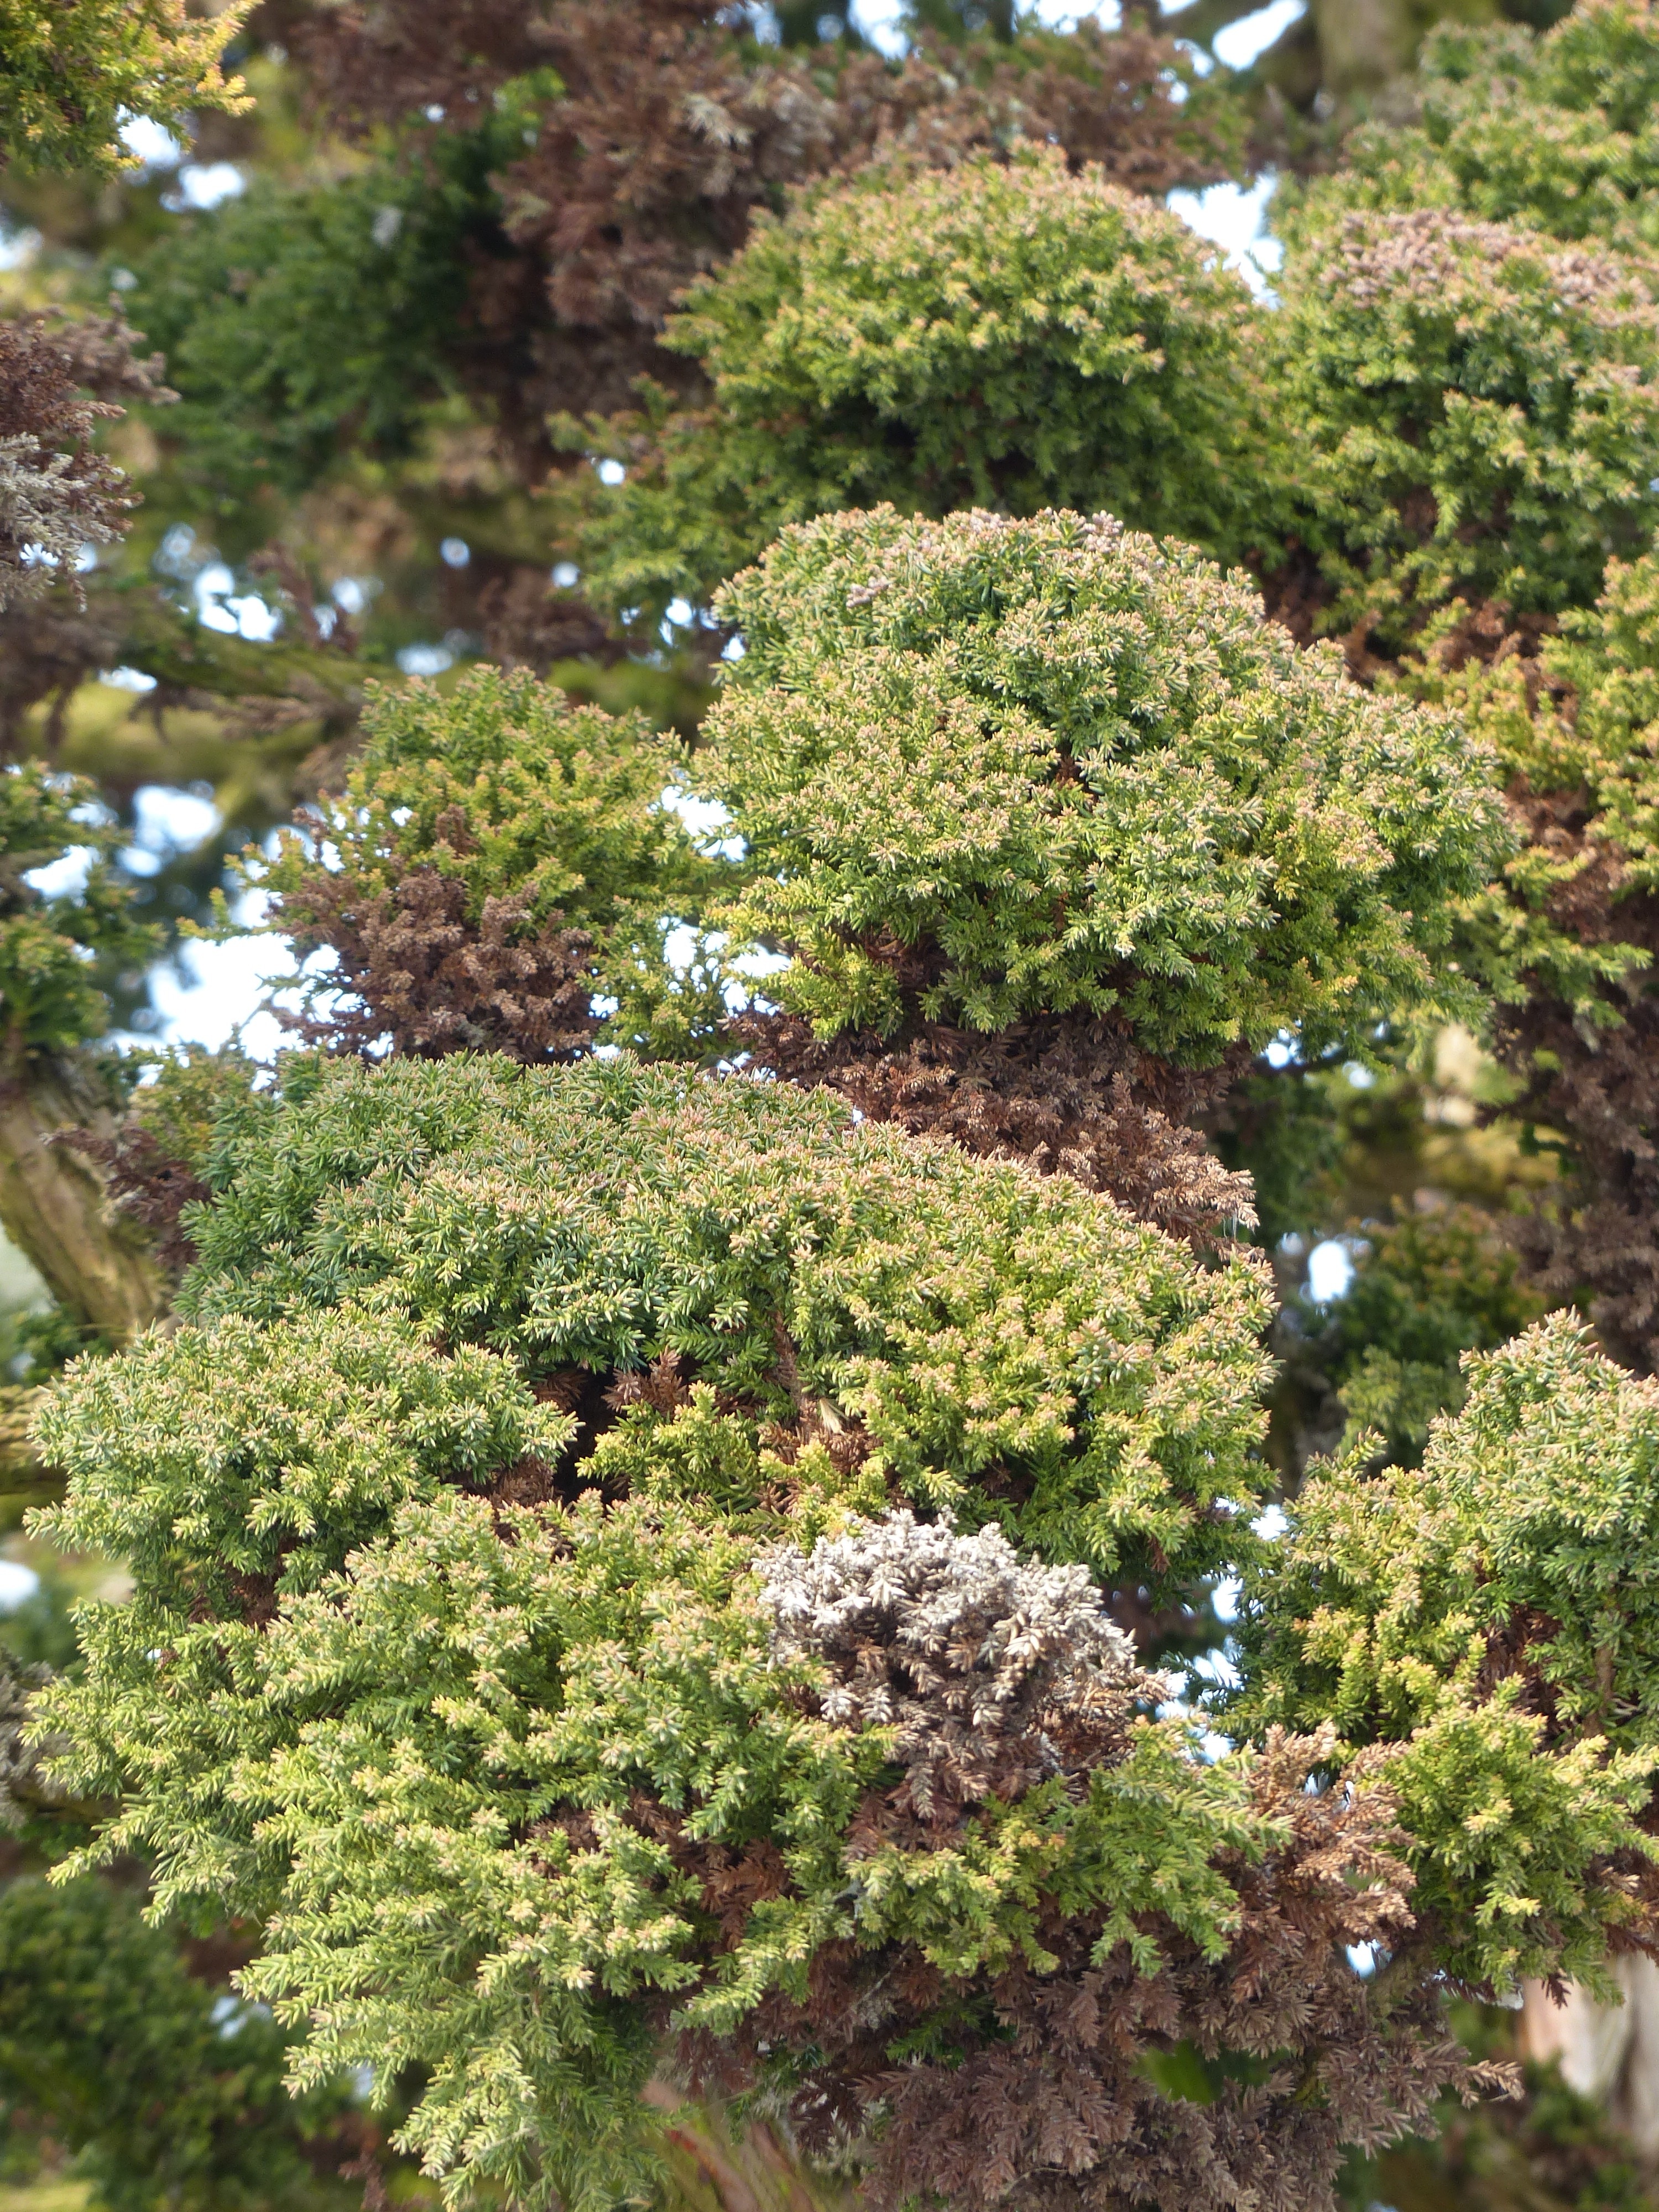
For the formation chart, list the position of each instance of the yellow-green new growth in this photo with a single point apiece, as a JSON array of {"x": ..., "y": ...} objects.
[
  {"x": 987, "y": 768},
  {"x": 72, "y": 71},
  {"x": 1006, "y": 334}
]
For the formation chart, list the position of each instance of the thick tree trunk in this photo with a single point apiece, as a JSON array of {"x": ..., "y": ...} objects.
[
  {"x": 54, "y": 1206},
  {"x": 1609, "y": 2053},
  {"x": 713, "y": 2168}
]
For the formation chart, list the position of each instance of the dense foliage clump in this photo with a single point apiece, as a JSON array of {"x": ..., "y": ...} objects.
[
  {"x": 497, "y": 858},
  {"x": 1493, "y": 1608},
  {"x": 1002, "y": 334},
  {"x": 695, "y": 1576},
  {"x": 1551, "y": 130},
  {"x": 74, "y": 72},
  {"x": 165, "y": 2092},
  {"x": 301, "y": 322},
  {"x": 533, "y": 1621},
  {"x": 1058, "y": 830},
  {"x": 649, "y": 138},
  {"x": 990, "y": 769},
  {"x": 60, "y": 497},
  {"x": 1479, "y": 404}
]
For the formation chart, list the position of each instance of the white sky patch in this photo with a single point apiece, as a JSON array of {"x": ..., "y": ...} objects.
[
  {"x": 170, "y": 820},
  {"x": 156, "y": 147},
  {"x": 66, "y": 876},
  {"x": 1234, "y": 217},
  {"x": 1330, "y": 1271},
  {"x": 220, "y": 607},
  {"x": 17, "y": 1584},
  {"x": 702, "y": 817},
  {"x": 1241, "y": 43},
  {"x": 204, "y": 184},
  {"x": 216, "y": 993}
]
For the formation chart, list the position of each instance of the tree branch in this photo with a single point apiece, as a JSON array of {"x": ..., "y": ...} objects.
[
  {"x": 1202, "y": 19},
  {"x": 54, "y": 1206}
]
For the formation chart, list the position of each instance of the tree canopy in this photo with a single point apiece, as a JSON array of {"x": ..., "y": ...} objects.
[{"x": 904, "y": 1454}]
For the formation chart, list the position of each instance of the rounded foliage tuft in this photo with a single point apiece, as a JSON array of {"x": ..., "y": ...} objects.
[
  {"x": 1000, "y": 333},
  {"x": 987, "y": 768}
]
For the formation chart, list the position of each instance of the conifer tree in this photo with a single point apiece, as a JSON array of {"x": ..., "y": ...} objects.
[{"x": 654, "y": 1534}]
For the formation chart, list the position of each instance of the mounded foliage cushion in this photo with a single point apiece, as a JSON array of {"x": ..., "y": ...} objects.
[
  {"x": 987, "y": 768},
  {"x": 531, "y": 1622},
  {"x": 1532, "y": 1524},
  {"x": 1495, "y": 1610},
  {"x": 499, "y": 858},
  {"x": 1554, "y": 129},
  {"x": 510, "y": 786},
  {"x": 990, "y": 1344},
  {"x": 1582, "y": 717},
  {"x": 998, "y": 333},
  {"x": 1476, "y": 406},
  {"x": 439, "y": 1301}
]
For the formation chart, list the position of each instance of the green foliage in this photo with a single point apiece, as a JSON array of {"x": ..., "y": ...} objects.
[
  {"x": 303, "y": 325},
  {"x": 35, "y": 1342},
  {"x": 700, "y": 1219},
  {"x": 1579, "y": 719},
  {"x": 494, "y": 1710},
  {"x": 1476, "y": 409},
  {"x": 171, "y": 2098},
  {"x": 1533, "y": 1508},
  {"x": 1051, "y": 765},
  {"x": 506, "y": 787},
  {"x": 52, "y": 948},
  {"x": 1005, "y": 335},
  {"x": 189, "y": 1091},
  {"x": 1592, "y": 726},
  {"x": 1492, "y": 1611},
  {"x": 355, "y": 1680},
  {"x": 1426, "y": 1288},
  {"x": 1553, "y": 131},
  {"x": 72, "y": 71}
]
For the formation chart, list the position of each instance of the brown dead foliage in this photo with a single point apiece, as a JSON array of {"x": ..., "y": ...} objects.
[
  {"x": 415, "y": 967},
  {"x": 146, "y": 1183},
  {"x": 1070, "y": 1094},
  {"x": 673, "y": 130},
  {"x": 60, "y": 378},
  {"x": 1054, "y": 2095}
]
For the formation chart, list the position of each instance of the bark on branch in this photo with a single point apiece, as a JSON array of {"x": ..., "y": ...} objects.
[{"x": 54, "y": 1206}]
